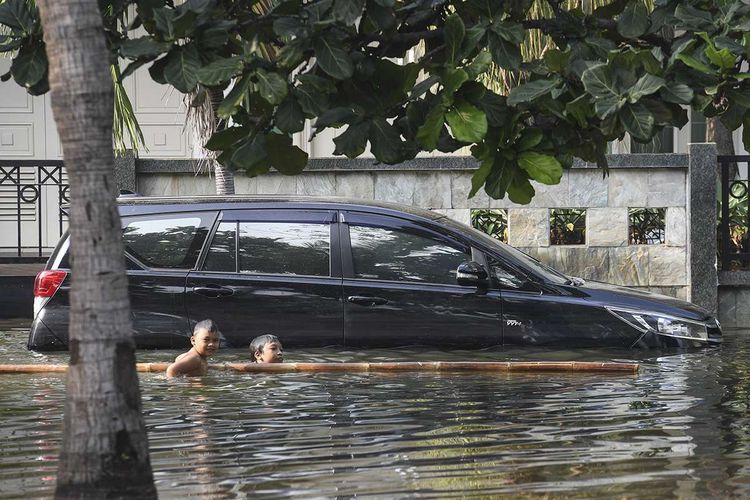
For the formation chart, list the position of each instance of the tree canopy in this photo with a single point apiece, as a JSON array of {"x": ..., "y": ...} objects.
[{"x": 410, "y": 76}]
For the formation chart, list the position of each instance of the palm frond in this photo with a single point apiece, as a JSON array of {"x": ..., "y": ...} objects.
[{"x": 124, "y": 119}]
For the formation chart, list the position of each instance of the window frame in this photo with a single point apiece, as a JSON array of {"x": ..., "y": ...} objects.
[
  {"x": 395, "y": 223},
  {"x": 261, "y": 215}
]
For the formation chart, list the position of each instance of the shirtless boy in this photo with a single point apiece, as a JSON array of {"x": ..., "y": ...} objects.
[{"x": 194, "y": 363}]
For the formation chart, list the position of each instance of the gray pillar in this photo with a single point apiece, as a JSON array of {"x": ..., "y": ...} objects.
[
  {"x": 125, "y": 171},
  {"x": 701, "y": 209}
]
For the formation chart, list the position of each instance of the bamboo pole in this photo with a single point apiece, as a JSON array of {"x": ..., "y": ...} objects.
[{"x": 408, "y": 366}]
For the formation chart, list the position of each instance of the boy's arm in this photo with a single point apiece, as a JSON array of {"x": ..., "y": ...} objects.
[{"x": 184, "y": 365}]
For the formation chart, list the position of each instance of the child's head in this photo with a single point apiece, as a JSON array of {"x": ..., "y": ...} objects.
[
  {"x": 267, "y": 349},
  {"x": 205, "y": 338}
]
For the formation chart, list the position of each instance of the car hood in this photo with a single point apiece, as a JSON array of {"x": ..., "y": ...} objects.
[{"x": 620, "y": 296}]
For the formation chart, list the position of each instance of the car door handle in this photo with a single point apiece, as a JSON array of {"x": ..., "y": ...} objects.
[
  {"x": 213, "y": 291},
  {"x": 367, "y": 301}
]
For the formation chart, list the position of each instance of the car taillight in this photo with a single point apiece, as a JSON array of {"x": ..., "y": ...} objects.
[{"x": 47, "y": 283}]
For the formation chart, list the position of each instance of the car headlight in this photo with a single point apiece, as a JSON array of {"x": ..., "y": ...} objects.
[{"x": 663, "y": 324}]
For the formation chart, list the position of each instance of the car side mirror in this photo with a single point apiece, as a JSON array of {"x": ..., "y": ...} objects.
[{"x": 471, "y": 273}]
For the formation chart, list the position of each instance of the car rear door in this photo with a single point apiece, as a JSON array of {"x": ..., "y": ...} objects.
[
  {"x": 161, "y": 249},
  {"x": 271, "y": 271},
  {"x": 400, "y": 286}
]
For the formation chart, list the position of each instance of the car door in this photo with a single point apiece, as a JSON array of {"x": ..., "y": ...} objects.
[
  {"x": 400, "y": 286},
  {"x": 160, "y": 250},
  {"x": 271, "y": 271}
]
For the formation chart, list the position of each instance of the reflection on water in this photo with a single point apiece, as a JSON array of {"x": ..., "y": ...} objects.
[{"x": 679, "y": 428}]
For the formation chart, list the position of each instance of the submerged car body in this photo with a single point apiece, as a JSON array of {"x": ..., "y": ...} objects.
[{"x": 345, "y": 272}]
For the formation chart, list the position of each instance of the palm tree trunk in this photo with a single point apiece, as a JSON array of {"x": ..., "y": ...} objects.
[
  {"x": 224, "y": 176},
  {"x": 717, "y": 132},
  {"x": 104, "y": 450}
]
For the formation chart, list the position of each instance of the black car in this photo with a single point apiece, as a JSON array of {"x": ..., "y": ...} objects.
[{"x": 332, "y": 271}]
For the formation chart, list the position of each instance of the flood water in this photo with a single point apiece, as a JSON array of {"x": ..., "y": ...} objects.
[{"x": 679, "y": 428}]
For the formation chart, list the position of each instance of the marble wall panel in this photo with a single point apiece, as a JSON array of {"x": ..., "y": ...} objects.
[
  {"x": 316, "y": 184},
  {"x": 628, "y": 266},
  {"x": 587, "y": 188},
  {"x": 553, "y": 196},
  {"x": 277, "y": 184},
  {"x": 627, "y": 188},
  {"x": 607, "y": 227},
  {"x": 667, "y": 266},
  {"x": 426, "y": 190},
  {"x": 667, "y": 188},
  {"x": 675, "y": 227},
  {"x": 244, "y": 184},
  {"x": 360, "y": 185},
  {"x": 728, "y": 307},
  {"x": 462, "y": 215},
  {"x": 195, "y": 185},
  {"x": 460, "y": 189},
  {"x": 528, "y": 227},
  {"x": 157, "y": 185},
  {"x": 742, "y": 311}
]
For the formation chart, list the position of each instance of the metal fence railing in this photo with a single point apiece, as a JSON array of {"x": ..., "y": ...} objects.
[
  {"x": 734, "y": 218},
  {"x": 33, "y": 196}
]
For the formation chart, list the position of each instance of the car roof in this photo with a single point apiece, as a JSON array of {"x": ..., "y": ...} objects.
[{"x": 142, "y": 205}]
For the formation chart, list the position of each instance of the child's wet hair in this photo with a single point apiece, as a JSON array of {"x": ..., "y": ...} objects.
[
  {"x": 207, "y": 324},
  {"x": 260, "y": 341}
]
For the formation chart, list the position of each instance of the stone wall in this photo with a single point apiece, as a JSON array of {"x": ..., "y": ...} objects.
[{"x": 443, "y": 184}]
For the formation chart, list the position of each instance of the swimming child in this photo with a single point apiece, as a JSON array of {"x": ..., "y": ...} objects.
[
  {"x": 194, "y": 363},
  {"x": 267, "y": 349}
]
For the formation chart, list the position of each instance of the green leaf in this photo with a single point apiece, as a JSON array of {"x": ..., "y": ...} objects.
[
  {"x": 530, "y": 91},
  {"x": 479, "y": 65},
  {"x": 556, "y": 60},
  {"x": 143, "y": 47},
  {"x": 746, "y": 132},
  {"x": 251, "y": 156},
  {"x": 494, "y": 106},
  {"x": 385, "y": 141},
  {"x": 232, "y": 101},
  {"x": 335, "y": 117},
  {"x": 723, "y": 58},
  {"x": 467, "y": 122},
  {"x": 30, "y": 64},
  {"x": 540, "y": 167},
  {"x": 453, "y": 80},
  {"x": 454, "y": 35},
  {"x": 638, "y": 121},
  {"x": 312, "y": 94},
  {"x": 284, "y": 156},
  {"x": 633, "y": 22},
  {"x": 472, "y": 38},
  {"x": 353, "y": 141},
  {"x": 530, "y": 137},
  {"x": 480, "y": 175},
  {"x": 695, "y": 63},
  {"x": 8, "y": 43},
  {"x": 693, "y": 18},
  {"x": 510, "y": 31},
  {"x": 163, "y": 20},
  {"x": 347, "y": 11},
  {"x": 646, "y": 85},
  {"x": 579, "y": 110},
  {"x": 429, "y": 133},
  {"x": 741, "y": 97},
  {"x": 333, "y": 59},
  {"x": 271, "y": 86},
  {"x": 678, "y": 93},
  {"x": 223, "y": 139},
  {"x": 504, "y": 54},
  {"x": 598, "y": 81},
  {"x": 181, "y": 68},
  {"x": 16, "y": 15},
  {"x": 289, "y": 116},
  {"x": 220, "y": 71}
]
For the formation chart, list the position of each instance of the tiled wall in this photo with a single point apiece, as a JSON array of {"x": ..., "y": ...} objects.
[{"x": 606, "y": 256}]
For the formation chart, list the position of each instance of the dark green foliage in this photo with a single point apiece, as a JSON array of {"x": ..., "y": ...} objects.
[{"x": 616, "y": 71}]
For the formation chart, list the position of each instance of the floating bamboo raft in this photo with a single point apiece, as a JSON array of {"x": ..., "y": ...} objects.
[{"x": 410, "y": 366}]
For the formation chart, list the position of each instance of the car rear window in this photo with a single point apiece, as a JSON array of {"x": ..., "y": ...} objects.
[{"x": 172, "y": 241}]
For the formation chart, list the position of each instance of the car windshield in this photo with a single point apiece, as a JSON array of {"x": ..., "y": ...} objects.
[{"x": 529, "y": 262}]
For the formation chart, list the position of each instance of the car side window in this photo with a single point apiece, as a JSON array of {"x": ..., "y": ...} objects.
[
  {"x": 397, "y": 255},
  {"x": 289, "y": 248},
  {"x": 166, "y": 241},
  {"x": 507, "y": 277},
  {"x": 222, "y": 254}
]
